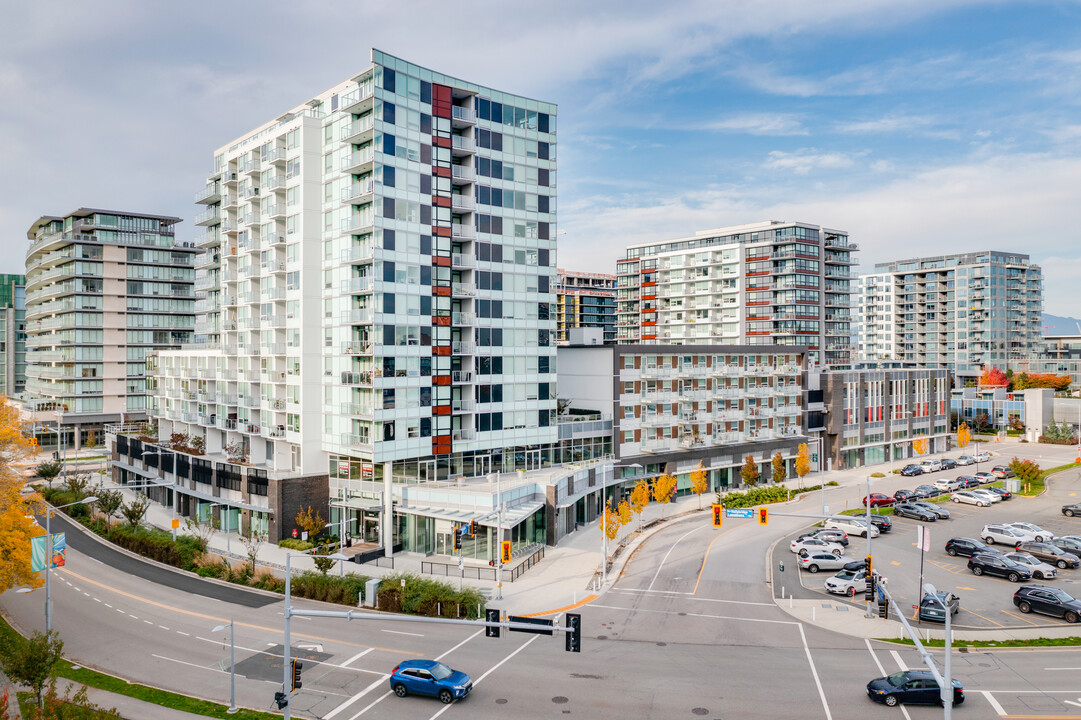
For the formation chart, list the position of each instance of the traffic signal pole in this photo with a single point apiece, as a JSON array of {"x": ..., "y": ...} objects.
[
  {"x": 945, "y": 682},
  {"x": 287, "y": 670}
]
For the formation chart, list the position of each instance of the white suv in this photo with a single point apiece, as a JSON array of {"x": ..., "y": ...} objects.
[
  {"x": 1035, "y": 532},
  {"x": 1004, "y": 534},
  {"x": 947, "y": 484},
  {"x": 852, "y": 526},
  {"x": 930, "y": 466},
  {"x": 847, "y": 582}
]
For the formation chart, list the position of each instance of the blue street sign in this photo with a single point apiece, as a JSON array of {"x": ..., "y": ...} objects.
[{"x": 740, "y": 513}]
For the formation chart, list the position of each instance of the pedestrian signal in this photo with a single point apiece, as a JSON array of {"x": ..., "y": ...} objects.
[{"x": 718, "y": 515}]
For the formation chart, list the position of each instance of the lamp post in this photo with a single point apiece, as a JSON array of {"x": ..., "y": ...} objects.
[
  {"x": 341, "y": 540},
  {"x": 604, "y": 528},
  {"x": 869, "y": 613},
  {"x": 49, "y": 557},
  {"x": 232, "y": 663}
]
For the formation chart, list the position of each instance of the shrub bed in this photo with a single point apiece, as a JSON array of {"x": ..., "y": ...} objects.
[
  {"x": 763, "y": 495},
  {"x": 432, "y": 598},
  {"x": 294, "y": 544}
]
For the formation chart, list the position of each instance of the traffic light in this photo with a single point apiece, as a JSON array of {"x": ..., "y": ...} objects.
[
  {"x": 883, "y": 609},
  {"x": 297, "y": 667},
  {"x": 281, "y": 700},
  {"x": 869, "y": 596},
  {"x": 473, "y": 527},
  {"x": 574, "y": 632},
  {"x": 506, "y": 554},
  {"x": 457, "y": 537},
  {"x": 763, "y": 516},
  {"x": 867, "y": 565},
  {"x": 491, "y": 616},
  {"x": 718, "y": 515}
]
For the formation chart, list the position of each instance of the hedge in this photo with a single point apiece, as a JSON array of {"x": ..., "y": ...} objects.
[
  {"x": 294, "y": 544},
  {"x": 763, "y": 495},
  {"x": 424, "y": 596}
]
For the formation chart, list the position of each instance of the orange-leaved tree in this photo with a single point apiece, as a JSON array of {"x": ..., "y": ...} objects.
[
  {"x": 639, "y": 499},
  {"x": 311, "y": 522},
  {"x": 612, "y": 523},
  {"x": 993, "y": 377},
  {"x": 919, "y": 446},
  {"x": 625, "y": 513},
  {"x": 749, "y": 471},
  {"x": 780, "y": 472},
  {"x": 16, "y": 528},
  {"x": 964, "y": 435},
  {"x": 699, "y": 482},
  {"x": 664, "y": 488},
  {"x": 803, "y": 462}
]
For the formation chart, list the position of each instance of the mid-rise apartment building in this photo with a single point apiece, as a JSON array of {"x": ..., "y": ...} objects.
[
  {"x": 958, "y": 311},
  {"x": 768, "y": 283},
  {"x": 585, "y": 300},
  {"x": 675, "y": 407},
  {"x": 103, "y": 288},
  {"x": 377, "y": 294},
  {"x": 12, "y": 334}
]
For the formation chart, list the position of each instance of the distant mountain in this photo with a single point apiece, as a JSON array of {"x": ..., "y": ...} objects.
[{"x": 1056, "y": 325}]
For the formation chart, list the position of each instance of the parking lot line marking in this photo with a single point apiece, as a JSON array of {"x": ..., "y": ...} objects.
[
  {"x": 894, "y": 562},
  {"x": 1019, "y": 617},
  {"x": 994, "y": 703},
  {"x": 962, "y": 587},
  {"x": 985, "y": 618}
]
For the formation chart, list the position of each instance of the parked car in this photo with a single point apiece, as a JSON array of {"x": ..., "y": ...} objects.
[
  {"x": 1039, "y": 569},
  {"x": 1071, "y": 510},
  {"x": 982, "y": 457},
  {"x": 941, "y": 512},
  {"x": 1048, "y": 601},
  {"x": 914, "y": 511},
  {"x": 820, "y": 560},
  {"x": 877, "y": 500},
  {"x": 851, "y": 525},
  {"x": 911, "y": 687},
  {"x": 930, "y": 466},
  {"x": 966, "y": 460},
  {"x": 947, "y": 484},
  {"x": 1001, "y": 492},
  {"x": 1002, "y": 472},
  {"x": 948, "y": 463},
  {"x": 967, "y": 481},
  {"x": 1069, "y": 544},
  {"x": 1038, "y": 534},
  {"x": 905, "y": 496},
  {"x": 429, "y": 677},
  {"x": 981, "y": 563},
  {"x": 967, "y": 547},
  {"x": 882, "y": 522},
  {"x": 970, "y": 498},
  {"x": 927, "y": 491},
  {"x": 1004, "y": 534},
  {"x": 910, "y": 470},
  {"x": 848, "y": 582},
  {"x": 1050, "y": 554},
  {"x": 985, "y": 478},
  {"x": 808, "y": 545},
  {"x": 829, "y": 535},
  {"x": 933, "y": 607},
  {"x": 987, "y": 494}
]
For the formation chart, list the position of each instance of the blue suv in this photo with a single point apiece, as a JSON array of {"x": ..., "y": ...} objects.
[{"x": 429, "y": 677}]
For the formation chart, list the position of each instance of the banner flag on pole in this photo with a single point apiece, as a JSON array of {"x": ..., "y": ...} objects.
[{"x": 38, "y": 548}]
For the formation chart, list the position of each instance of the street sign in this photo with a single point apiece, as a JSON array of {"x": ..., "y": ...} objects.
[
  {"x": 544, "y": 625},
  {"x": 814, "y": 457},
  {"x": 740, "y": 513},
  {"x": 176, "y": 523}
]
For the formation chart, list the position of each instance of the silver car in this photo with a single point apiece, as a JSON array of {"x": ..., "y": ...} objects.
[
  {"x": 815, "y": 561},
  {"x": 1038, "y": 534},
  {"x": 1040, "y": 570},
  {"x": 937, "y": 509}
]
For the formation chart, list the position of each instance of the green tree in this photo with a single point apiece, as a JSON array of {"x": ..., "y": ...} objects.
[
  {"x": 69, "y": 707},
  {"x": 1028, "y": 471},
  {"x": 78, "y": 484},
  {"x": 749, "y": 471},
  {"x": 252, "y": 540},
  {"x": 323, "y": 564},
  {"x": 32, "y": 661},
  {"x": 134, "y": 511},
  {"x": 109, "y": 503},
  {"x": 49, "y": 470},
  {"x": 780, "y": 472}
]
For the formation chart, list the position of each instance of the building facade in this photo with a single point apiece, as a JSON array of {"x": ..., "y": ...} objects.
[
  {"x": 768, "y": 283},
  {"x": 12, "y": 335},
  {"x": 958, "y": 312},
  {"x": 675, "y": 407},
  {"x": 103, "y": 288},
  {"x": 872, "y": 416},
  {"x": 585, "y": 300},
  {"x": 376, "y": 300}
]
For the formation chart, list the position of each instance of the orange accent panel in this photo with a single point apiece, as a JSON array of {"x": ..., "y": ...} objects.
[
  {"x": 441, "y": 321},
  {"x": 441, "y": 231},
  {"x": 441, "y": 410},
  {"x": 441, "y": 291},
  {"x": 440, "y": 171},
  {"x": 649, "y": 337},
  {"x": 440, "y": 201},
  {"x": 443, "y": 142},
  {"x": 440, "y": 379},
  {"x": 441, "y": 261},
  {"x": 440, "y": 350}
]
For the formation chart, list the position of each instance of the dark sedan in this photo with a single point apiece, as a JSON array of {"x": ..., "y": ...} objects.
[
  {"x": 988, "y": 564},
  {"x": 882, "y": 522},
  {"x": 903, "y": 495},
  {"x": 941, "y": 512},
  {"x": 927, "y": 491},
  {"x": 967, "y": 547},
  {"x": 968, "y": 481},
  {"x": 911, "y": 470},
  {"x": 1069, "y": 544},
  {"x": 1071, "y": 510},
  {"x": 911, "y": 510},
  {"x": 1047, "y": 601},
  {"x": 1002, "y": 493},
  {"x": 1050, "y": 554},
  {"x": 948, "y": 464},
  {"x": 932, "y": 607},
  {"x": 911, "y": 687}
]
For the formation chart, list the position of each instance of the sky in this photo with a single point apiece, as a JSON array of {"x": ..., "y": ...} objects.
[{"x": 919, "y": 127}]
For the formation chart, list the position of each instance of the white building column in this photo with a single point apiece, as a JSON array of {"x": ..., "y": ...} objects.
[{"x": 388, "y": 510}]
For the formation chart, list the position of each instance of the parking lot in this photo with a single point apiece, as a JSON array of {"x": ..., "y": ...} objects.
[{"x": 986, "y": 602}]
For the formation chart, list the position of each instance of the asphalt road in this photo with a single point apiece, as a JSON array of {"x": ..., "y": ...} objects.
[{"x": 689, "y": 630}]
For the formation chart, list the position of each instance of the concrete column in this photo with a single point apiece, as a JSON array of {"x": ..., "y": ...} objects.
[
  {"x": 387, "y": 523},
  {"x": 77, "y": 441}
]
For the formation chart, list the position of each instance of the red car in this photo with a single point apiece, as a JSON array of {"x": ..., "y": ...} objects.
[{"x": 878, "y": 500}]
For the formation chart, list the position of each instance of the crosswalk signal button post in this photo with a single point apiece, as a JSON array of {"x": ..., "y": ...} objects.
[
  {"x": 763, "y": 516},
  {"x": 718, "y": 515}
]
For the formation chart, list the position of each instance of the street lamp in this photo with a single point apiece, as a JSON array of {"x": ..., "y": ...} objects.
[
  {"x": 232, "y": 663},
  {"x": 869, "y": 614},
  {"x": 49, "y": 556},
  {"x": 341, "y": 540}
]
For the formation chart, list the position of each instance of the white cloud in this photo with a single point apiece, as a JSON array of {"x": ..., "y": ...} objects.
[
  {"x": 756, "y": 124},
  {"x": 887, "y": 124},
  {"x": 804, "y": 161}
]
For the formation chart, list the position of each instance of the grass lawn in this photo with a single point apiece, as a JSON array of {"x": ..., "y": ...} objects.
[
  {"x": 1034, "y": 642},
  {"x": 95, "y": 679}
]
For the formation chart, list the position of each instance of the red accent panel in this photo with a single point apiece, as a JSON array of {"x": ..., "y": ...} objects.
[
  {"x": 440, "y": 171},
  {"x": 441, "y": 231},
  {"x": 441, "y": 261},
  {"x": 441, "y": 100},
  {"x": 440, "y": 379},
  {"x": 649, "y": 297},
  {"x": 440, "y": 349},
  {"x": 651, "y": 310},
  {"x": 441, "y": 291},
  {"x": 440, "y": 201},
  {"x": 440, "y": 321},
  {"x": 443, "y": 142},
  {"x": 441, "y": 410},
  {"x": 649, "y": 337}
]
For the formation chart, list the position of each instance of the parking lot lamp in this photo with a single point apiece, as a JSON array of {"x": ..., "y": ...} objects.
[{"x": 870, "y": 612}]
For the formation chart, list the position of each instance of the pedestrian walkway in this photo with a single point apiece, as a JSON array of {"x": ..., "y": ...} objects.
[
  {"x": 13, "y": 703},
  {"x": 128, "y": 707}
]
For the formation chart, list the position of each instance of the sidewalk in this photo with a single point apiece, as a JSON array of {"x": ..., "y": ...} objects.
[
  {"x": 13, "y": 701},
  {"x": 128, "y": 707}
]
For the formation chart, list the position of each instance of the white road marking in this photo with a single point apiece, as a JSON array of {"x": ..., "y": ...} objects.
[
  {"x": 214, "y": 669},
  {"x": 399, "y": 632},
  {"x": 86, "y": 593},
  {"x": 700, "y": 615},
  {"x": 375, "y": 702},
  {"x": 356, "y": 697},
  {"x": 1071, "y": 702},
  {"x": 358, "y": 656},
  {"x": 994, "y": 703},
  {"x": 132, "y": 616},
  {"x": 163, "y": 627},
  {"x": 898, "y": 660},
  {"x": 698, "y": 599},
  {"x": 181, "y": 632},
  {"x": 278, "y": 655},
  {"x": 148, "y": 622},
  {"x": 463, "y": 642},
  {"x": 883, "y": 671},
  {"x": 107, "y": 605},
  {"x": 491, "y": 670},
  {"x": 814, "y": 672},
  {"x": 97, "y": 600},
  {"x": 1077, "y": 668},
  {"x": 665, "y": 558}
]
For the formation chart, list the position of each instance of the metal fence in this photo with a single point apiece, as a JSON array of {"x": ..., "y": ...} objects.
[{"x": 510, "y": 574}]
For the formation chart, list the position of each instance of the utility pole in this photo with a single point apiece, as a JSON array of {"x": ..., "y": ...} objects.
[{"x": 499, "y": 536}]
